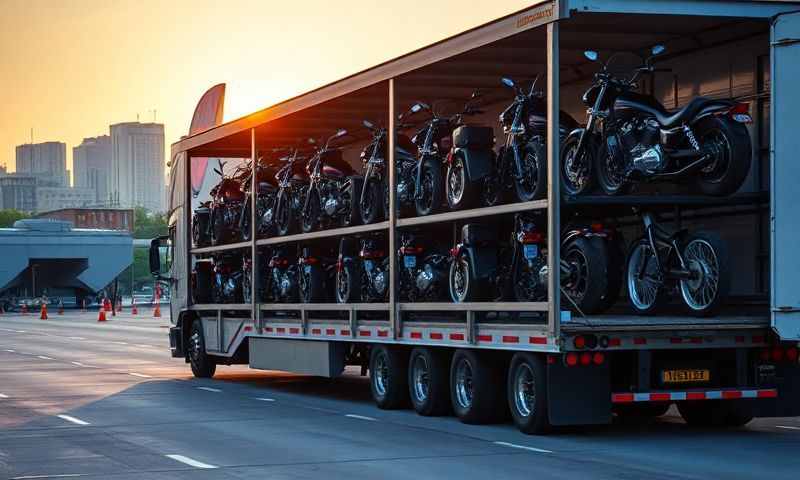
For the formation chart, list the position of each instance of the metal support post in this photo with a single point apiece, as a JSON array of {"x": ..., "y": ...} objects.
[
  {"x": 553, "y": 181},
  {"x": 394, "y": 312},
  {"x": 255, "y": 281}
]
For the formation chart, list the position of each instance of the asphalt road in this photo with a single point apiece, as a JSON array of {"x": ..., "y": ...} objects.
[{"x": 97, "y": 401}]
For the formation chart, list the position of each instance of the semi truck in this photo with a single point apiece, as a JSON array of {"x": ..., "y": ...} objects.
[{"x": 544, "y": 362}]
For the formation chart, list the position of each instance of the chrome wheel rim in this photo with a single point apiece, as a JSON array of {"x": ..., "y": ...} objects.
[
  {"x": 460, "y": 280},
  {"x": 576, "y": 179},
  {"x": 701, "y": 290},
  {"x": 381, "y": 375},
  {"x": 426, "y": 185},
  {"x": 464, "y": 384},
  {"x": 643, "y": 292},
  {"x": 455, "y": 181},
  {"x": 524, "y": 390},
  {"x": 194, "y": 347},
  {"x": 343, "y": 285},
  {"x": 530, "y": 176},
  {"x": 578, "y": 283},
  {"x": 421, "y": 378}
]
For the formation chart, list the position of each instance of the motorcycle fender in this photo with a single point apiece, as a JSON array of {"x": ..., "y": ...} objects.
[
  {"x": 714, "y": 108},
  {"x": 482, "y": 261},
  {"x": 477, "y": 163}
]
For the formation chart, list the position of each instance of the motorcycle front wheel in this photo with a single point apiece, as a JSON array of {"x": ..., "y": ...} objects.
[
  {"x": 311, "y": 284},
  {"x": 532, "y": 181},
  {"x": 284, "y": 215},
  {"x": 728, "y": 143},
  {"x": 646, "y": 292},
  {"x": 460, "y": 191},
  {"x": 309, "y": 218},
  {"x": 577, "y": 176},
  {"x": 610, "y": 172},
  {"x": 348, "y": 287},
  {"x": 464, "y": 286},
  {"x": 218, "y": 230},
  {"x": 371, "y": 206},
  {"x": 529, "y": 286},
  {"x": 429, "y": 199},
  {"x": 705, "y": 256},
  {"x": 587, "y": 283}
]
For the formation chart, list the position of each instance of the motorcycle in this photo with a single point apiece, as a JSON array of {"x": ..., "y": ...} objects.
[
  {"x": 373, "y": 202},
  {"x": 228, "y": 279},
  {"x": 315, "y": 276},
  {"x": 247, "y": 275},
  {"x": 267, "y": 187},
  {"x": 631, "y": 138},
  {"x": 521, "y": 163},
  {"x": 227, "y": 202},
  {"x": 664, "y": 261},
  {"x": 331, "y": 191},
  {"x": 364, "y": 278},
  {"x": 201, "y": 225},
  {"x": 290, "y": 198},
  {"x": 281, "y": 285},
  {"x": 422, "y": 273}
]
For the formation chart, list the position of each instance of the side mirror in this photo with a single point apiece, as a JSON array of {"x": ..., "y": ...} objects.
[
  {"x": 155, "y": 255},
  {"x": 341, "y": 133},
  {"x": 591, "y": 55},
  {"x": 368, "y": 124},
  {"x": 658, "y": 50},
  {"x": 508, "y": 82},
  {"x": 417, "y": 107}
]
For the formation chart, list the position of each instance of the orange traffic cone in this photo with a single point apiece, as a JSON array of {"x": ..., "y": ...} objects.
[
  {"x": 43, "y": 314},
  {"x": 134, "y": 310},
  {"x": 101, "y": 317},
  {"x": 157, "y": 311},
  {"x": 107, "y": 305}
]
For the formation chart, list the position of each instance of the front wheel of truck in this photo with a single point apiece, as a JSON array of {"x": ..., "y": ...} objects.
[{"x": 203, "y": 365}]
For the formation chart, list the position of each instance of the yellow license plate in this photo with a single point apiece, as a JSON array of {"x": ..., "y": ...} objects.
[{"x": 685, "y": 376}]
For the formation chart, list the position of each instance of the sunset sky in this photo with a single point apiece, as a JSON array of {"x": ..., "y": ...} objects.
[{"x": 70, "y": 68}]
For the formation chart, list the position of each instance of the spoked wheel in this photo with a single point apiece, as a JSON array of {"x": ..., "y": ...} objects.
[
  {"x": 309, "y": 219},
  {"x": 529, "y": 286},
  {"x": 611, "y": 172},
  {"x": 203, "y": 365},
  {"x": 476, "y": 387},
  {"x": 576, "y": 169},
  {"x": 371, "y": 206},
  {"x": 464, "y": 287},
  {"x": 728, "y": 144},
  {"x": 388, "y": 377},
  {"x": 284, "y": 217},
  {"x": 587, "y": 280},
  {"x": 427, "y": 381},
  {"x": 347, "y": 283},
  {"x": 311, "y": 284},
  {"x": 460, "y": 191},
  {"x": 645, "y": 282},
  {"x": 532, "y": 182},
  {"x": 247, "y": 282},
  {"x": 705, "y": 258},
  {"x": 429, "y": 198},
  {"x": 527, "y": 393},
  {"x": 218, "y": 232}
]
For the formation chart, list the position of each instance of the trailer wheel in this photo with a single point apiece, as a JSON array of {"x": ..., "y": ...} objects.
[
  {"x": 715, "y": 413},
  {"x": 388, "y": 377},
  {"x": 203, "y": 365},
  {"x": 527, "y": 393},
  {"x": 428, "y": 382},
  {"x": 476, "y": 388}
]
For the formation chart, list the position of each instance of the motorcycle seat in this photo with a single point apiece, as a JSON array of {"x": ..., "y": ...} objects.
[
  {"x": 671, "y": 119},
  {"x": 332, "y": 172}
]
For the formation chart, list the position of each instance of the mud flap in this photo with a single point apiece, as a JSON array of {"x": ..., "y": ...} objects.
[
  {"x": 578, "y": 395},
  {"x": 788, "y": 402}
]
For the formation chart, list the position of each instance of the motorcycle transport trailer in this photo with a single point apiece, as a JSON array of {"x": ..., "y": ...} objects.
[{"x": 546, "y": 361}]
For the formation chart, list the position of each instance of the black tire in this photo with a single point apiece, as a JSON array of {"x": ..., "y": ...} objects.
[
  {"x": 461, "y": 193},
  {"x": 477, "y": 392},
  {"x": 244, "y": 224},
  {"x": 311, "y": 284},
  {"x": 533, "y": 182},
  {"x": 715, "y": 413},
  {"x": 247, "y": 284},
  {"x": 464, "y": 286},
  {"x": 645, "y": 298},
  {"x": 203, "y": 365},
  {"x": 526, "y": 389},
  {"x": 284, "y": 219},
  {"x": 371, "y": 206},
  {"x": 730, "y": 143},
  {"x": 310, "y": 216},
  {"x": 200, "y": 230},
  {"x": 587, "y": 284},
  {"x": 202, "y": 290},
  {"x": 706, "y": 255},
  {"x": 576, "y": 182},
  {"x": 526, "y": 283},
  {"x": 388, "y": 378},
  {"x": 493, "y": 190},
  {"x": 432, "y": 187},
  {"x": 348, "y": 282},
  {"x": 609, "y": 176},
  {"x": 218, "y": 231},
  {"x": 615, "y": 270},
  {"x": 428, "y": 384}
]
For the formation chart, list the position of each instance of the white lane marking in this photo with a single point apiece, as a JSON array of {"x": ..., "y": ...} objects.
[
  {"x": 266, "y": 399},
  {"x": 43, "y": 357},
  {"x": 62, "y": 475},
  {"x": 361, "y": 417},
  {"x": 209, "y": 389},
  {"x": 141, "y": 345},
  {"x": 20, "y": 331},
  {"x": 523, "y": 447},
  {"x": 320, "y": 409},
  {"x": 190, "y": 461},
  {"x": 10, "y": 351},
  {"x": 76, "y": 421},
  {"x": 120, "y": 343},
  {"x": 2, "y": 395},
  {"x": 140, "y": 375},
  {"x": 76, "y": 338},
  {"x": 786, "y": 427},
  {"x": 78, "y": 364}
]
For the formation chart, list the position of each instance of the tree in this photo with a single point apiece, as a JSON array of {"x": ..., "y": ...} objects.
[
  {"x": 147, "y": 224},
  {"x": 9, "y": 216}
]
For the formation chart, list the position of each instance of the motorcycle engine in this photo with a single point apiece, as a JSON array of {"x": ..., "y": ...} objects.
[
  {"x": 285, "y": 285},
  {"x": 427, "y": 276},
  {"x": 403, "y": 193},
  {"x": 331, "y": 204},
  {"x": 640, "y": 137}
]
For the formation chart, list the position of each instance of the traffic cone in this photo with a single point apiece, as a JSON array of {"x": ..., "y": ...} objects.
[
  {"x": 157, "y": 311},
  {"x": 43, "y": 314},
  {"x": 134, "y": 311},
  {"x": 107, "y": 305},
  {"x": 101, "y": 317}
]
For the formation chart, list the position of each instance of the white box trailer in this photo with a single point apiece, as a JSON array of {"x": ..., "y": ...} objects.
[{"x": 748, "y": 50}]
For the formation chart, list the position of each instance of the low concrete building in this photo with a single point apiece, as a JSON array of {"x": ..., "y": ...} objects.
[
  {"x": 55, "y": 198},
  {"x": 102, "y": 218},
  {"x": 18, "y": 191}
]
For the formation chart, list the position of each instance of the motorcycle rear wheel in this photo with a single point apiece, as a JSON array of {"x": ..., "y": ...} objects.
[
  {"x": 706, "y": 257},
  {"x": 527, "y": 282},
  {"x": 732, "y": 154},
  {"x": 646, "y": 295},
  {"x": 430, "y": 198},
  {"x": 348, "y": 286},
  {"x": 532, "y": 184},
  {"x": 284, "y": 218},
  {"x": 371, "y": 206},
  {"x": 460, "y": 191},
  {"x": 587, "y": 284}
]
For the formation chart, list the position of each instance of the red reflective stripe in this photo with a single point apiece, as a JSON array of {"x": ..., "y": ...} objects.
[
  {"x": 695, "y": 395},
  {"x": 248, "y": 329},
  {"x": 675, "y": 340},
  {"x": 621, "y": 397},
  {"x": 436, "y": 336},
  {"x": 365, "y": 333},
  {"x": 484, "y": 338},
  {"x": 767, "y": 394},
  {"x": 739, "y": 339},
  {"x": 346, "y": 333},
  {"x": 457, "y": 336},
  {"x": 697, "y": 340},
  {"x": 614, "y": 342},
  {"x": 316, "y": 331},
  {"x": 660, "y": 397},
  {"x": 330, "y": 331},
  {"x": 294, "y": 330},
  {"x": 640, "y": 341},
  {"x": 268, "y": 329},
  {"x": 383, "y": 333},
  {"x": 758, "y": 339},
  {"x": 417, "y": 335},
  {"x": 510, "y": 339},
  {"x": 538, "y": 340},
  {"x": 732, "y": 394}
]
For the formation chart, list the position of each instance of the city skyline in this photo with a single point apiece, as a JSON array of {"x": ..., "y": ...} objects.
[{"x": 75, "y": 68}]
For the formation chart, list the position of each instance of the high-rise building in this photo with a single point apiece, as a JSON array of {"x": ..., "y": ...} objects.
[
  {"x": 46, "y": 161},
  {"x": 137, "y": 165},
  {"x": 18, "y": 191},
  {"x": 91, "y": 165}
]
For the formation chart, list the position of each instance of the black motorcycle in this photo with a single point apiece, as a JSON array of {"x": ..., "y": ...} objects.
[
  {"x": 316, "y": 273},
  {"x": 470, "y": 161},
  {"x": 281, "y": 282},
  {"x": 374, "y": 198},
  {"x": 290, "y": 199},
  {"x": 227, "y": 203},
  {"x": 201, "y": 225},
  {"x": 362, "y": 275},
  {"x": 422, "y": 272},
  {"x": 631, "y": 137},
  {"x": 664, "y": 261},
  {"x": 264, "y": 255},
  {"x": 521, "y": 163},
  {"x": 332, "y": 191},
  {"x": 228, "y": 279},
  {"x": 267, "y": 186}
]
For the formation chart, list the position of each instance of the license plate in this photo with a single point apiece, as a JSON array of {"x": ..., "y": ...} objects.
[
  {"x": 685, "y": 376},
  {"x": 531, "y": 251},
  {"x": 410, "y": 261}
]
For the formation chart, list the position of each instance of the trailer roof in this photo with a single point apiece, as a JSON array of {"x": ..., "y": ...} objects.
[{"x": 425, "y": 68}]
